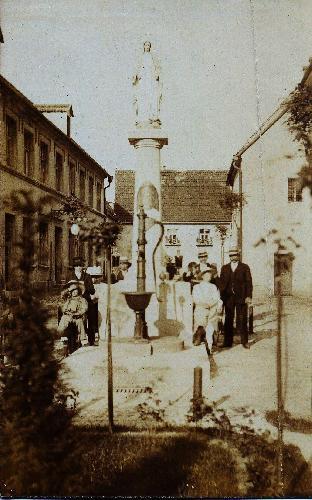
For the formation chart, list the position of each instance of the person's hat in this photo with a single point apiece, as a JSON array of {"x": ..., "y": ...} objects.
[
  {"x": 95, "y": 271},
  {"x": 203, "y": 253},
  {"x": 77, "y": 261},
  {"x": 124, "y": 260},
  {"x": 234, "y": 251},
  {"x": 209, "y": 269},
  {"x": 72, "y": 285}
]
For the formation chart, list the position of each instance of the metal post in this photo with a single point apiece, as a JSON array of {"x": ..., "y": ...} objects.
[
  {"x": 197, "y": 392},
  {"x": 198, "y": 383},
  {"x": 140, "y": 323},
  {"x": 240, "y": 174},
  {"x": 141, "y": 276},
  {"x": 280, "y": 403},
  {"x": 222, "y": 251},
  {"x": 109, "y": 345}
]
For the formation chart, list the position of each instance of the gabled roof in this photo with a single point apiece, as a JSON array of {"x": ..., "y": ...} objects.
[{"x": 191, "y": 196}]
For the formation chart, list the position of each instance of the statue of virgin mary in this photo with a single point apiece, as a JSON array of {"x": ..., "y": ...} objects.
[{"x": 147, "y": 90}]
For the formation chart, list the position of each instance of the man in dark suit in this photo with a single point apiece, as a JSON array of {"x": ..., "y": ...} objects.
[
  {"x": 236, "y": 293},
  {"x": 178, "y": 260},
  {"x": 79, "y": 274}
]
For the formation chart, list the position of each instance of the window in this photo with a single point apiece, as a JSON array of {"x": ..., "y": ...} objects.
[
  {"x": 71, "y": 248},
  {"x": 28, "y": 234},
  {"x": 72, "y": 177},
  {"x": 81, "y": 249},
  {"x": 294, "y": 190},
  {"x": 204, "y": 237},
  {"x": 82, "y": 185},
  {"x": 44, "y": 161},
  {"x": 90, "y": 253},
  {"x": 28, "y": 153},
  {"x": 43, "y": 244},
  {"x": 115, "y": 259},
  {"x": 171, "y": 237},
  {"x": 98, "y": 196},
  {"x": 11, "y": 141},
  {"x": 90, "y": 191},
  {"x": 58, "y": 171}
]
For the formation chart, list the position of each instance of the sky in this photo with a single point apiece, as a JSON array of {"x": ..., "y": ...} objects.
[{"x": 225, "y": 65}]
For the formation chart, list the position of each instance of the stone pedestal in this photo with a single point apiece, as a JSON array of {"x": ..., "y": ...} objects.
[{"x": 148, "y": 143}]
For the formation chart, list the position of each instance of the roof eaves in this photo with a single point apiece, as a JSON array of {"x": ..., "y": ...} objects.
[{"x": 269, "y": 122}]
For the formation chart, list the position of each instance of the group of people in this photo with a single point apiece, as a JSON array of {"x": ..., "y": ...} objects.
[
  {"x": 78, "y": 312},
  {"x": 230, "y": 292}
]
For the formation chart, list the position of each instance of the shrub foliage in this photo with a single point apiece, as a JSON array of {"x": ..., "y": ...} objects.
[{"x": 34, "y": 417}]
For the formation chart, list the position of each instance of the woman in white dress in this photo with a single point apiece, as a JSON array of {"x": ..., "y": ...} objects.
[{"x": 208, "y": 305}]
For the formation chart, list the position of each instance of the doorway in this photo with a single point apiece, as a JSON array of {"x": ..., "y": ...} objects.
[
  {"x": 58, "y": 246},
  {"x": 283, "y": 266}
]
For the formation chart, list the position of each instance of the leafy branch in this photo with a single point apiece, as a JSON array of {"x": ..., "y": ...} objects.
[
  {"x": 222, "y": 231},
  {"x": 300, "y": 116},
  {"x": 299, "y": 123},
  {"x": 232, "y": 200}
]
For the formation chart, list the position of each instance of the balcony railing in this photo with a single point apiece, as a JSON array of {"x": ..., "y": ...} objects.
[
  {"x": 204, "y": 242},
  {"x": 171, "y": 241}
]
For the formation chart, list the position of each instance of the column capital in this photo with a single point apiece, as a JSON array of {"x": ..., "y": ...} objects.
[{"x": 148, "y": 138}]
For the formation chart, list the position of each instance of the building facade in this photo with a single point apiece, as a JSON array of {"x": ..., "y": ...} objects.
[
  {"x": 191, "y": 213},
  {"x": 275, "y": 213},
  {"x": 36, "y": 156}
]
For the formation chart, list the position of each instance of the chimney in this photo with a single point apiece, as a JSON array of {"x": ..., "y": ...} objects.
[{"x": 58, "y": 108}]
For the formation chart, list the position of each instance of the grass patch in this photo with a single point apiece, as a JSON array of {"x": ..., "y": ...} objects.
[
  {"x": 184, "y": 463},
  {"x": 179, "y": 462}
]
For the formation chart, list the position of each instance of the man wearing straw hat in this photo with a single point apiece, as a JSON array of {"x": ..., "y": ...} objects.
[
  {"x": 204, "y": 264},
  {"x": 236, "y": 293}
]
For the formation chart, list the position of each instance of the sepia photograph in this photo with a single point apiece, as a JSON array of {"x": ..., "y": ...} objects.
[{"x": 156, "y": 248}]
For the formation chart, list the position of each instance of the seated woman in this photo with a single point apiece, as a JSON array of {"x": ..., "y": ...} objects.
[
  {"x": 74, "y": 309},
  {"x": 206, "y": 298}
]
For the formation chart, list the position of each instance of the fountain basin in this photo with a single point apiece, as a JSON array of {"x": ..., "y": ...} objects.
[{"x": 138, "y": 301}]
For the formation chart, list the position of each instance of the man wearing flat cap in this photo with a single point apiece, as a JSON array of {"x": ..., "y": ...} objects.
[{"x": 236, "y": 293}]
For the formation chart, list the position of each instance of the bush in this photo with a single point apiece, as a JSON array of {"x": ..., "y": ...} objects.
[{"x": 35, "y": 421}]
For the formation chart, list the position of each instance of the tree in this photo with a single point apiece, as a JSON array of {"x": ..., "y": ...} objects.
[
  {"x": 34, "y": 417},
  {"x": 300, "y": 124}
]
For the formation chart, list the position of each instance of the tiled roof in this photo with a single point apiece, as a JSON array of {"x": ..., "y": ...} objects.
[{"x": 187, "y": 196}]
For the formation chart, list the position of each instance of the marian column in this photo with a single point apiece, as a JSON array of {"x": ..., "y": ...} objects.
[{"x": 148, "y": 139}]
